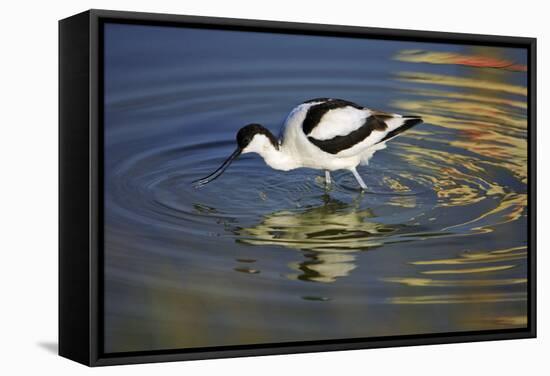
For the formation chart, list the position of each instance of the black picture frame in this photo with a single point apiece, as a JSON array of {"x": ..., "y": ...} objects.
[{"x": 81, "y": 193}]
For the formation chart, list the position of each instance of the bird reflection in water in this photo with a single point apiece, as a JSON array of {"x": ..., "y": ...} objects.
[{"x": 329, "y": 236}]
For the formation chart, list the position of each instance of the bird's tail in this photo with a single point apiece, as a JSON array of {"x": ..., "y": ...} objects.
[{"x": 400, "y": 125}]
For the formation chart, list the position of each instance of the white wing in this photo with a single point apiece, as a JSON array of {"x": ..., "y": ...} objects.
[{"x": 339, "y": 122}]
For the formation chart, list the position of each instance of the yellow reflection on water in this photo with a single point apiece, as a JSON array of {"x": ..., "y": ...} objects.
[
  {"x": 470, "y": 97},
  {"x": 427, "y": 282},
  {"x": 478, "y": 114},
  {"x": 469, "y": 270},
  {"x": 499, "y": 255},
  {"x": 460, "y": 298},
  {"x": 446, "y": 80},
  {"x": 509, "y": 209},
  {"x": 498, "y": 135},
  {"x": 454, "y": 186},
  {"x": 512, "y": 320}
]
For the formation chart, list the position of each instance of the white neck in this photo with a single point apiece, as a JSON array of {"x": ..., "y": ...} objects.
[{"x": 277, "y": 159}]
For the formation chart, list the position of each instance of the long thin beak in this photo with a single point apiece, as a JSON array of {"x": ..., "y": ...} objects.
[{"x": 213, "y": 176}]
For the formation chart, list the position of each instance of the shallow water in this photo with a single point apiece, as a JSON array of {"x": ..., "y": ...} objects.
[{"x": 436, "y": 244}]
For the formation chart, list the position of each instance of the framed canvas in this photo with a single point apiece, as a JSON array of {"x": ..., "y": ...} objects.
[{"x": 309, "y": 240}]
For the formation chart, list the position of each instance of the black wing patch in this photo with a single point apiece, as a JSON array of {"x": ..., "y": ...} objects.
[
  {"x": 408, "y": 123},
  {"x": 339, "y": 143},
  {"x": 317, "y": 100},
  {"x": 316, "y": 112}
]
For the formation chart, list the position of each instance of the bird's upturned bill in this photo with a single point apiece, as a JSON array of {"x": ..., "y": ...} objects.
[{"x": 213, "y": 176}]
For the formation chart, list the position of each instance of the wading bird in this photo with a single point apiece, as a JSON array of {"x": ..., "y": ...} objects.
[{"x": 323, "y": 133}]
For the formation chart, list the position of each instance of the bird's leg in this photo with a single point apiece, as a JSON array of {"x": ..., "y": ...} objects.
[
  {"x": 328, "y": 180},
  {"x": 359, "y": 179}
]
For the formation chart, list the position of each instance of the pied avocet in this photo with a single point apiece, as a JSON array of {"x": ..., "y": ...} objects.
[{"x": 323, "y": 133}]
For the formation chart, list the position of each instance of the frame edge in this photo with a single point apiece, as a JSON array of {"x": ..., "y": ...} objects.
[{"x": 74, "y": 330}]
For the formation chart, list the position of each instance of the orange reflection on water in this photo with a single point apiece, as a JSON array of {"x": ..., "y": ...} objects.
[{"x": 479, "y": 61}]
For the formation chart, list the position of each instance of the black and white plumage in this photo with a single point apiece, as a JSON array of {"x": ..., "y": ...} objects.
[{"x": 323, "y": 133}]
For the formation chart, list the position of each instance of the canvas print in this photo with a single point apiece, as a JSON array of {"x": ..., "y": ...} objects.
[{"x": 264, "y": 187}]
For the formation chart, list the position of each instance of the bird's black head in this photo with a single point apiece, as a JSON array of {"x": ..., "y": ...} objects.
[{"x": 246, "y": 134}]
